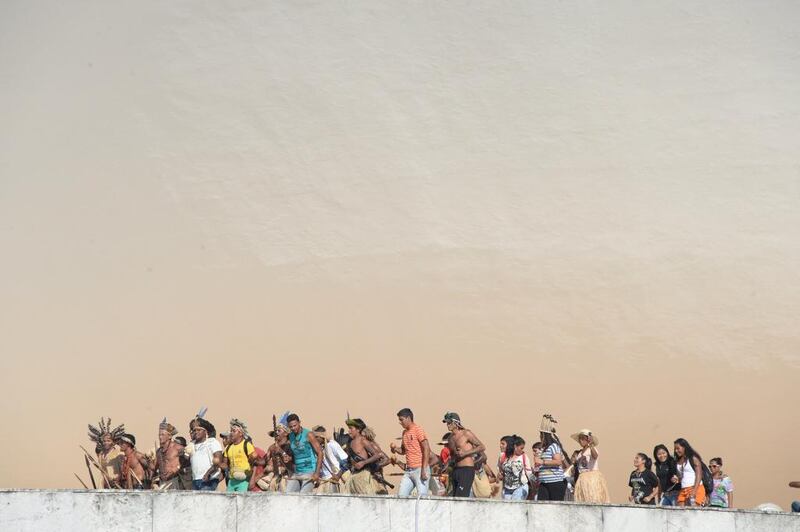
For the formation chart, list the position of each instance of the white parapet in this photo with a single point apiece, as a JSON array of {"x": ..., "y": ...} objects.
[{"x": 45, "y": 510}]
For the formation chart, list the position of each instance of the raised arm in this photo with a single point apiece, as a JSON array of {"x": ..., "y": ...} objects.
[
  {"x": 593, "y": 450},
  {"x": 398, "y": 450}
]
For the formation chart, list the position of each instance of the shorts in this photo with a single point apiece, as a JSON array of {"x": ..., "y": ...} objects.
[
  {"x": 699, "y": 497},
  {"x": 237, "y": 485}
]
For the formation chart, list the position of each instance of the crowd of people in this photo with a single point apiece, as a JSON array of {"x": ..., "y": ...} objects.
[{"x": 350, "y": 460}]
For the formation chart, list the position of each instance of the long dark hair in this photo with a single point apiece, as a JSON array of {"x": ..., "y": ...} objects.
[
  {"x": 548, "y": 439},
  {"x": 670, "y": 460},
  {"x": 648, "y": 464},
  {"x": 688, "y": 451},
  {"x": 510, "y": 442}
]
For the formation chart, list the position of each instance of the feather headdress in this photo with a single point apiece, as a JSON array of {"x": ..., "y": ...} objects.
[
  {"x": 104, "y": 427},
  {"x": 548, "y": 424},
  {"x": 203, "y": 422},
  {"x": 241, "y": 425},
  {"x": 168, "y": 427}
]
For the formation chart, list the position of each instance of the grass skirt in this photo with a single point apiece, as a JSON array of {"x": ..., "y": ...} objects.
[{"x": 591, "y": 487}]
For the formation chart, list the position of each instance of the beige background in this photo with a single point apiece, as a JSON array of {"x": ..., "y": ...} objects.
[{"x": 504, "y": 209}]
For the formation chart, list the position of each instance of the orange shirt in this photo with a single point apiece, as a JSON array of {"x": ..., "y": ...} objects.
[{"x": 412, "y": 442}]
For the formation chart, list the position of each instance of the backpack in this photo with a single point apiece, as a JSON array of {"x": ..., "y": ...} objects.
[
  {"x": 708, "y": 480},
  {"x": 245, "y": 448}
]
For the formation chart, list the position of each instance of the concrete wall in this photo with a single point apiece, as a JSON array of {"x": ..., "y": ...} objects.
[{"x": 139, "y": 511}]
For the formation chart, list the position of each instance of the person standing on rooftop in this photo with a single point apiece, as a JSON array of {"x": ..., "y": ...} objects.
[
  {"x": 668, "y": 483},
  {"x": 516, "y": 470},
  {"x": 552, "y": 483},
  {"x": 206, "y": 457},
  {"x": 643, "y": 482},
  {"x": 690, "y": 469},
  {"x": 591, "y": 485},
  {"x": 722, "y": 494},
  {"x": 308, "y": 457},
  {"x": 239, "y": 455},
  {"x": 333, "y": 456},
  {"x": 416, "y": 448},
  {"x": 464, "y": 449}
]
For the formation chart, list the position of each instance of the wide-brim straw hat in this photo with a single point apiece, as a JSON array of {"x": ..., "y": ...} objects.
[{"x": 586, "y": 432}]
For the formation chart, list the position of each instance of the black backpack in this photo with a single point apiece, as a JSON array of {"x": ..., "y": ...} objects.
[
  {"x": 245, "y": 448},
  {"x": 708, "y": 480}
]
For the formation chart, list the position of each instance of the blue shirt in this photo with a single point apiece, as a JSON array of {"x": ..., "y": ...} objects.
[
  {"x": 305, "y": 459},
  {"x": 551, "y": 473}
]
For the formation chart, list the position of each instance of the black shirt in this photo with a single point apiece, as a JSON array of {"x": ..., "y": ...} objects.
[
  {"x": 665, "y": 471},
  {"x": 642, "y": 485}
]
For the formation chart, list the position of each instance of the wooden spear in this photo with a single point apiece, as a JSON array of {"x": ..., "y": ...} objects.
[
  {"x": 89, "y": 468},
  {"x": 94, "y": 463},
  {"x": 136, "y": 478},
  {"x": 81, "y": 481}
]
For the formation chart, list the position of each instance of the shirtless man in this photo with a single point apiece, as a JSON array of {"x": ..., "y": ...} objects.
[
  {"x": 134, "y": 474},
  {"x": 464, "y": 447},
  {"x": 278, "y": 460},
  {"x": 362, "y": 454},
  {"x": 167, "y": 464}
]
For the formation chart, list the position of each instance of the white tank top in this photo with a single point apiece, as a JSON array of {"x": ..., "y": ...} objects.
[{"x": 687, "y": 474}]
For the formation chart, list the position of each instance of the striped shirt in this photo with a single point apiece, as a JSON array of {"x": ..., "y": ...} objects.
[
  {"x": 551, "y": 473},
  {"x": 413, "y": 437}
]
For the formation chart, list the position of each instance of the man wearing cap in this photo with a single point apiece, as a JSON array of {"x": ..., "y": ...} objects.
[
  {"x": 134, "y": 474},
  {"x": 307, "y": 456},
  {"x": 464, "y": 446},
  {"x": 361, "y": 453},
  {"x": 206, "y": 457},
  {"x": 332, "y": 456},
  {"x": 417, "y": 450}
]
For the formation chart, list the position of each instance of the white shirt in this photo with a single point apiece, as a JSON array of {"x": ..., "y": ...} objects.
[
  {"x": 585, "y": 461},
  {"x": 203, "y": 456},
  {"x": 687, "y": 474},
  {"x": 331, "y": 457}
]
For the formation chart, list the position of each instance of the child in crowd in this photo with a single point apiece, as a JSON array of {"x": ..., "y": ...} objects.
[{"x": 722, "y": 494}]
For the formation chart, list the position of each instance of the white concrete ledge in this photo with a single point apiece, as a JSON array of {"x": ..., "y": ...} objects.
[{"x": 45, "y": 510}]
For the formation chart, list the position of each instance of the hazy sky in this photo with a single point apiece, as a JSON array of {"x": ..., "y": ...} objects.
[{"x": 590, "y": 209}]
